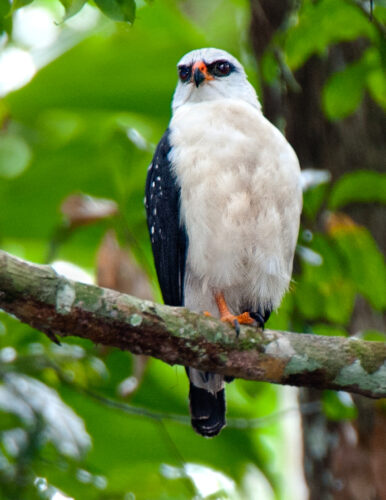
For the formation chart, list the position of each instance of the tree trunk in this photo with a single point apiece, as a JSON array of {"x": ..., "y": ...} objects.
[{"x": 350, "y": 462}]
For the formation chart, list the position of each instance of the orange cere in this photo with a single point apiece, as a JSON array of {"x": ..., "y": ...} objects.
[{"x": 200, "y": 65}]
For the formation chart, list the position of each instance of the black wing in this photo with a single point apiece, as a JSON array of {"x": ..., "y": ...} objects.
[{"x": 168, "y": 238}]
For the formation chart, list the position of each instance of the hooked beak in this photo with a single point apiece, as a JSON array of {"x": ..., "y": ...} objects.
[{"x": 200, "y": 73}]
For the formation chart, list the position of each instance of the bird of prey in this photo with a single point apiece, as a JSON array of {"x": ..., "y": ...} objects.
[{"x": 223, "y": 202}]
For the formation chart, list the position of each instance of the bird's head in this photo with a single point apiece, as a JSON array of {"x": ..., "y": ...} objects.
[{"x": 211, "y": 74}]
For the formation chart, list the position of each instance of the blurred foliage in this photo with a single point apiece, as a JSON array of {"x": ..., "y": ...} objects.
[
  {"x": 312, "y": 29},
  {"x": 117, "y": 10},
  {"x": 88, "y": 123}
]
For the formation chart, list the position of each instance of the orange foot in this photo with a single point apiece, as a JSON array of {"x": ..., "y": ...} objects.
[
  {"x": 242, "y": 319},
  {"x": 226, "y": 315}
]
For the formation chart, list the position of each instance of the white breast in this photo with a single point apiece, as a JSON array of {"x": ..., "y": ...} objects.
[{"x": 240, "y": 199}]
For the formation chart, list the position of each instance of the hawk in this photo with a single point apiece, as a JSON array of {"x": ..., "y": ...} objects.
[{"x": 223, "y": 202}]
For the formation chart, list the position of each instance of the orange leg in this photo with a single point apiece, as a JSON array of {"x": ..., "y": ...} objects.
[{"x": 226, "y": 315}]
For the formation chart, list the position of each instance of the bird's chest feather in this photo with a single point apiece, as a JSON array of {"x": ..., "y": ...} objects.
[
  {"x": 229, "y": 173},
  {"x": 214, "y": 155}
]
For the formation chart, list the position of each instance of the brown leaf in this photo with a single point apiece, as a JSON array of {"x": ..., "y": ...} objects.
[
  {"x": 337, "y": 222},
  {"x": 117, "y": 269},
  {"x": 81, "y": 209}
]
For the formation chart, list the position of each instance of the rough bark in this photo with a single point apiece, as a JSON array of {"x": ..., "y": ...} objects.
[{"x": 37, "y": 295}]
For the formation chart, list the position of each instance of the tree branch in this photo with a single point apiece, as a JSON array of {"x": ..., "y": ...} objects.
[{"x": 40, "y": 297}]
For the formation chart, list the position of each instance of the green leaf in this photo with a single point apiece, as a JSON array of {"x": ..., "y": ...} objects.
[
  {"x": 338, "y": 406},
  {"x": 18, "y": 4},
  {"x": 364, "y": 264},
  {"x": 339, "y": 297},
  {"x": 309, "y": 300},
  {"x": 373, "y": 336},
  {"x": 326, "y": 291},
  {"x": 5, "y": 6},
  {"x": 5, "y": 19},
  {"x": 343, "y": 91},
  {"x": 321, "y": 24},
  {"x": 376, "y": 83},
  {"x": 380, "y": 12},
  {"x": 269, "y": 67},
  {"x": 72, "y": 7},
  {"x": 361, "y": 186},
  {"x": 118, "y": 10},
  {"x": 313, "y": 199}
]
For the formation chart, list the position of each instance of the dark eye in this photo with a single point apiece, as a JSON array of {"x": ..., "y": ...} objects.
[
  {"x": 222, "y": 68},
  {"x": 184, "y": 73}
]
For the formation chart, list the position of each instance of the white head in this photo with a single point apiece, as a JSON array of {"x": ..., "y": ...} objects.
[{"x": 210, "y": 74}]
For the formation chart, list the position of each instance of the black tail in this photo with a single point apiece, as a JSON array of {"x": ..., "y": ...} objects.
[{"x": 207, "y": 410}]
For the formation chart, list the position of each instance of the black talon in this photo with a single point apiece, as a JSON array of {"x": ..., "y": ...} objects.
[
  {"x": 260, "y": 318},
  {"x": 236, "y": 324}
]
